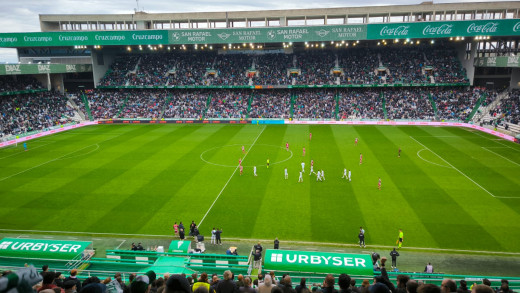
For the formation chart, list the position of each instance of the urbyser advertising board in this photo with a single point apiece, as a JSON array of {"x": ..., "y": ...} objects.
[
  {"x": 318, "y": 262},
  {"x": 38, "y": 248}
]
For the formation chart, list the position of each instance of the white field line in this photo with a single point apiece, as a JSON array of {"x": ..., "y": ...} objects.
[
  {"x": 12, "y": 155},
  {"x": 460, "y": 171},
  {"x": 418, "y": 154},
  {"x": 44, "y": 163},
  {"x": 494, "y": 140},
  {"x": 439, "y": 136},
  {"x": 122, "y": 242},
  {"x": 225, "y": 185},
  {"x": 501, "y": 156},
  {"x": 58, "y": 158},
  {"x": 266, "y": 241},
  {"x": 237, "y": 144},
  {"x": 82, "y": 155}
]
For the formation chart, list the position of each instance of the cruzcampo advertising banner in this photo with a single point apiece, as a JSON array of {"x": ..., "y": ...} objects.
[
  {"x": 180, "y": 246},
  {"x": 498, "y": 61},
  {"x": 17, "y": 69},
  {"x": 84, "y": 38},
  {"x": 38, "y": 248},
  {"x": 444, "y": 29},
  {"x": 318, "y": 262}
]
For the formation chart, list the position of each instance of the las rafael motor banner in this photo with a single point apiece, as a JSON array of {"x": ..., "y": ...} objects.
[
  {"x": 318, "y": 262},
  {"x": 37, "y": 248}
]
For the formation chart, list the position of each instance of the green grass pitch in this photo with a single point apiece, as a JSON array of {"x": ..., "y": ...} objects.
[{"x": 452, "y": 188}]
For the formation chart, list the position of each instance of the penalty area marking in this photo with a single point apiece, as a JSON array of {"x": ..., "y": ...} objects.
[
  {"x": 82, "y": 155},
  {"x": 58, "y": 158},
  {"x": 496, "y": 140},
  {"x": 27, "y": 150},
  {"x": 120, "y": 244},
  {"x": 233, "y": 174},
  {"x": 418, "y": 154},
  {"x": 462, "y": 172},
  {"x": 233, "y": 166},
  {"x": 501, "y": 155},
  {"x": 268, "y": 240}
]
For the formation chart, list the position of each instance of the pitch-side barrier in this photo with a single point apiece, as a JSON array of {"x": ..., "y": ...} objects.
[{"x": 262, "y": 121}]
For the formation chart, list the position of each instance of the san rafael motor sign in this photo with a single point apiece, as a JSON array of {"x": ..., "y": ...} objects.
[
  {"x": 37, "y": 248},
  {"x": 318, "y": 262}
]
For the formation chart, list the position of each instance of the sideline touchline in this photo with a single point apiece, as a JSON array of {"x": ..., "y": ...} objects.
[{"x": 270, "y": 240}]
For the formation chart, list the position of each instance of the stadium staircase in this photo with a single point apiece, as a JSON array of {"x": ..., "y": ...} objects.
[
  {"x": 251, "y": 97},
  {"x": 434, "y": 105},
  {"x": 382, "y": 96},
  {"x": 486, "y": 120},
  {"x": 293, "y": 98},
  {"x": 483, "y": 113},
  {"x": 134, "y": 71},
  {"x": 78, "y": 115},
  {"x": 87, "y": 107},
  {"x": 336, "y": 109},
  {"x": 168, "y": 77},
  {"x": 122, "y": 107},
  {"x": 166, "y": 104},
  {"x": 477, "y": 106},
  {"x": 208, "y": 102}
]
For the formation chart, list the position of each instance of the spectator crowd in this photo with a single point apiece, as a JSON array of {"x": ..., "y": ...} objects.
[
  {"x": 55, "y": 282},
  {"x": 508, "y": 110},
  {"x": 420, "y": 64},
  {"x": 30, "y": 112},
  {"x": 19, "y": 83},
  {"x": 24, "y": 113}
]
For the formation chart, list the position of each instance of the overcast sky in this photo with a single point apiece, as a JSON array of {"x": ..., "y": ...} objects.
[{"x": 22, "y": 15}]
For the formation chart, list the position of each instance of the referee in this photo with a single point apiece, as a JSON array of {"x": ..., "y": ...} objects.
[{"x": 361, "y": 237}]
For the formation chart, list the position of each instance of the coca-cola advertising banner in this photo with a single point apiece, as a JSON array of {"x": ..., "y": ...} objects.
[{"x": 444, "y": 29}]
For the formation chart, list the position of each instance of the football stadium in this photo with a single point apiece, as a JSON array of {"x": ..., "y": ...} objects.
[{"x": 369, "y": 149}]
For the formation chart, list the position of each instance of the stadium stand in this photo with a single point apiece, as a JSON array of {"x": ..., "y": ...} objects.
[
  {"x": 228, "y": 104},
  {"x": 508, "y": 110},
  {"x": 456, "y": 103},
  {"x": 421, "y": 64},
  {"x": 408, "y": 104},
  {"x": 271, "y": 104},
  {"x": 29, "y": 112},
  {"x": 419, "y": 82},
  {"x": 314, "y": 104},
  {"x": 33, "y": 112},
  {"x": 361, "y": 104},
  {"x": 19, "y": 83},
  {"x": 160, "y": 281},
  {"x": 187, "y": 104},
  {"x": 119, "y": 70}
]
